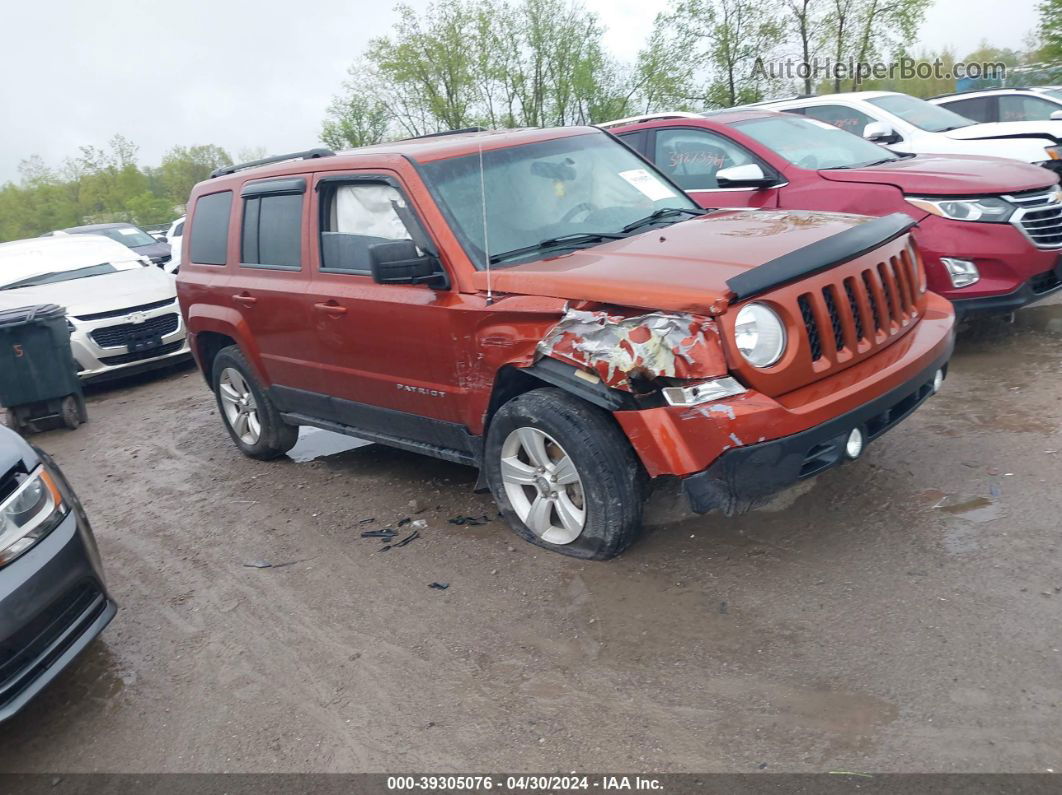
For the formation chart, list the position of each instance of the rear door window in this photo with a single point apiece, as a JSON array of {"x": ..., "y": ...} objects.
[
  {"x": 272, "y": 225},
  {"x": 1025, "y": 108},
  {"x": 210, "y": 229}
]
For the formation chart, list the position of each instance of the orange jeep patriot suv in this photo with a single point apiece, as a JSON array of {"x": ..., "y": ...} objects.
[{"x": 548, "y": 307}]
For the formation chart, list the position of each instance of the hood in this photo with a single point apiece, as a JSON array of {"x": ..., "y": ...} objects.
[
  {"x": 105, "y": 293},
  {"x": 153, "y": 251},
  {"x": 1051, "y": 130},
  {"x": 949, "y": 175},
  {"x": 683, "y": 267}
]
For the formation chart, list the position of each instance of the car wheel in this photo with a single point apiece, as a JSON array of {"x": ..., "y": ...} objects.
[
  {"x": 564, "y": 475},
  {"x": 250, "y": 417}
]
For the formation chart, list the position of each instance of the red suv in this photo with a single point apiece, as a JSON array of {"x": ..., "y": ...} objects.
[
  {"x": 546, "y": 306},
  {"x": 989, "y": 229}
]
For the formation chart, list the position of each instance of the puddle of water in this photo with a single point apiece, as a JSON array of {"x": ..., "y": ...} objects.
[
  {"x": 316, "y": 443},
  {"x": 975, "y": 509}
]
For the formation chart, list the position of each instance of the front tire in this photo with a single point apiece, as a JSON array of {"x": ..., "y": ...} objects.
[
  {"x": 250, "y": 416},
  {"x": 564, "y": 475}
]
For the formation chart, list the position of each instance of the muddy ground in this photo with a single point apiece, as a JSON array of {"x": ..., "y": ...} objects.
[{"x": 898, "y": 614}]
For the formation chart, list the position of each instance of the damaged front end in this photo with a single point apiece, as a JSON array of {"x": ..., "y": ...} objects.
[{"x": 675, "y": 355}]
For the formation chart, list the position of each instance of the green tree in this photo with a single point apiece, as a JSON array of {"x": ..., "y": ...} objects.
[
  {"x": 355, "y": 120},
  {"x": 717, "y": 43},
  {"x": 1050, "y": 30},
  {"x": 863, "y": 31},
  {"x": 184, "y": 166}
]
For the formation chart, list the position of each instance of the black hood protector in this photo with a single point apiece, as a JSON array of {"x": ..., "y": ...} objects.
[{"x": 821, "y": 255}]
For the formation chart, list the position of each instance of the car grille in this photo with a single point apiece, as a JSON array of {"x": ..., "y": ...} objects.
[
  {"x": 883, "y": 299},
  {"x": 1040, "y": 217},
  {"x": 127, "y": 310},
  {"x": 139, "y": 356},
  {"x": 20, "y": 650},
  {"x": 840, "y": 316},
  {"x": 115, "y": 336}
]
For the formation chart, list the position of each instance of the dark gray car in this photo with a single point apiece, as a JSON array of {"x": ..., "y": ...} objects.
[
  {"x": 53, "y": 601},
  {"x": 128, "y": 235}
]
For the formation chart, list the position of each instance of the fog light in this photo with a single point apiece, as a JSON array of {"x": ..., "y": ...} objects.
[
  {"x": 854, "y": 446},
  {"x": 938, "y": 381},
  {"x": 962, "y": 272}
]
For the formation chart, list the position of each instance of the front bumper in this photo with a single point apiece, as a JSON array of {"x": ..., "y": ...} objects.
[
  {"x": 746, "y": 476},
  {"x": 53, "y": 603},
  {"x": 1036, "y": 288},
  {"x": 97, "y": 362},
  {"x": 1009, "y": 264}
]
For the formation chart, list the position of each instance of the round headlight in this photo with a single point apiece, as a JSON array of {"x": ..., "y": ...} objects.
[{"x": 759, "y": 335}]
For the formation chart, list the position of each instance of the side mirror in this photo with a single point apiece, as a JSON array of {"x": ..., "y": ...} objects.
[
  {"x": 879, "y": 132},
  {"x": 1056, "y": 115},
  {"x": 400, "y": 262},
  {"x": 748, "y": 175}
]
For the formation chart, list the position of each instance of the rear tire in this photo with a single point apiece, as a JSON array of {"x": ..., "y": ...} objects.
[
  {"x": 250, "y": 416},
  {"x": 564, "y": 475}
]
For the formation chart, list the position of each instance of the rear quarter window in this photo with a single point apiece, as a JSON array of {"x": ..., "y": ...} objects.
[{"x": 209, "y": 230}]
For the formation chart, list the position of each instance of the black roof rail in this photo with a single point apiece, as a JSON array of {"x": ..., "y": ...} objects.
[
  {"x": 309, "y": 154},
  {"x": 441, "y": 133}
]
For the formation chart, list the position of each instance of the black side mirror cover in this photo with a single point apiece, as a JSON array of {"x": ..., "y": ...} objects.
[{"x": 400, "y": 262}]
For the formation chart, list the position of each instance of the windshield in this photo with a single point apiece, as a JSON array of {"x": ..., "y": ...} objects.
[
  {"x": 808, "y": 143},
  {"x": 1053, "y": 92},
  {"x": 921, "y": 114},
  {"x": 584, "y": 188},
  {"x": 12, "y": 280},
  {"x": 126, "y": 235}
]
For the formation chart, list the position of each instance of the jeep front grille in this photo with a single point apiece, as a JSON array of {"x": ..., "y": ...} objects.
[{"x": 884, "y": 299}]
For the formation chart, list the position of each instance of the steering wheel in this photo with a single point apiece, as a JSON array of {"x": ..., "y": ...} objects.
[
  {"x": 581, "y": 207},
  {"x": 809, "y": 162}
]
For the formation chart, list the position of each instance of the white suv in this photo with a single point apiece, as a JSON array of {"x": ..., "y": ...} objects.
[
  {"x": 908, "y": 124},
  {"x": 1006, "y": 104}
]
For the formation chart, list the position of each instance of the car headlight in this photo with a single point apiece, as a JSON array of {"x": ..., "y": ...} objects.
[
  {"x": 989, "y": 209},
  {"x": 759, "y": 334},
  {"x": 27, "y": 515}
]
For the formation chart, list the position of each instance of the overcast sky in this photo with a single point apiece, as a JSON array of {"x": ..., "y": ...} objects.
[{"x": 242, "y": 73}]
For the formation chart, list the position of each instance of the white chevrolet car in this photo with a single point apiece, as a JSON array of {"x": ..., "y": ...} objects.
[
  {"x": 908, "y": 124},
  {"x": 122, "y": 311}
]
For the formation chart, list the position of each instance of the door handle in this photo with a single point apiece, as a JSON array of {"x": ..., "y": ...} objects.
[
  {"x": 245, "y": 299},
  {"x": 331, "y": 308}
]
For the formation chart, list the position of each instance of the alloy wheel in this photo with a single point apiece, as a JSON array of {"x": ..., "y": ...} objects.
[
  {"x": 543, "y": 485},
  {"x": 241, "y": 410}
]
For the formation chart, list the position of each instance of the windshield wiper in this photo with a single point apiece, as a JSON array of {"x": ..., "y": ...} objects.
[
  {"x": 29, "y": 282},
  {"x": 50, "y": 277},
  {"x": 865, "y": 165},
  {"x": 663, "y": 212},
  {"x": 573, "y": 240}
]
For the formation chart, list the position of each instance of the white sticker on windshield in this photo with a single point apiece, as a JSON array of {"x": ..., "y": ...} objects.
[
  {"x": 649, "y": 185},
  {"x": 125, "y": 231}
]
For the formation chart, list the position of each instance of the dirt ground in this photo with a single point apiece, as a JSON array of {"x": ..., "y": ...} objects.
[{"x": 898, "y": 614}]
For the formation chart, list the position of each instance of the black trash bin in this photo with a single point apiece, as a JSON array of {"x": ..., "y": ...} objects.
[{"x": 38, "y": 377}]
